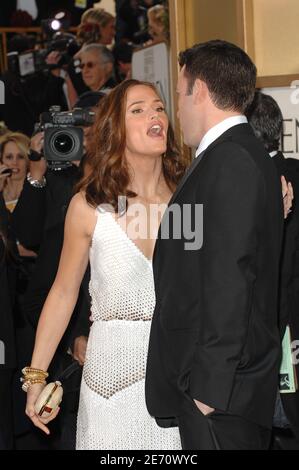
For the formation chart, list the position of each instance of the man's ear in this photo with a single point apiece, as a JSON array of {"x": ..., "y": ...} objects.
[
  {"x": 200, "y": 91},
  {"x": 108, "y": 68}
]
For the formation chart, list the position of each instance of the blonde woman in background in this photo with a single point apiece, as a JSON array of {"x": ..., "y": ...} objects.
[
  {"x": 14, "y": 156},
  {"x": 157, "y": 24},
  {"x": 97, "y": 26},
  {"x": 14, "y": 149}
]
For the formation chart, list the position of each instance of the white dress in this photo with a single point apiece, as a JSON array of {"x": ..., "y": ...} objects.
[{"x": 112, "y": 411}]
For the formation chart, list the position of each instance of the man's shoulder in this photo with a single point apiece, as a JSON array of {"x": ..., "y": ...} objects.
[
  {"x": 231, "y": 150},
  {"x": 240, "y": 142}
]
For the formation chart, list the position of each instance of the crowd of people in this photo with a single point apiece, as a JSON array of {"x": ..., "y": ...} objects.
[
  {"x": 161, "y": 341},
  {"x": 59, "y": 78}
]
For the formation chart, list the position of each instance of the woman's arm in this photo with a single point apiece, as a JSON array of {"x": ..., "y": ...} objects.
[{"x": 58, "y": 308}]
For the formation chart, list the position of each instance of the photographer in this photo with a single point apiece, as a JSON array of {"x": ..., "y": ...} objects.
[
  {"x": 40, "y": 219},
  {"x": 37, "y": 79},
  {"x": 29, "y": 95}
]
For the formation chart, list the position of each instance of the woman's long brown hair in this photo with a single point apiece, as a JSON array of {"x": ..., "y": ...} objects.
[{"x": 108, "y": 173}]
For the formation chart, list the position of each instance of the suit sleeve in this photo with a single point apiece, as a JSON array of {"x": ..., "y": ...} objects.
[{"x": 231, "y": 216}]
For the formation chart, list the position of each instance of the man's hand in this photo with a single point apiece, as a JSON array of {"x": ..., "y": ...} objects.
[
  {"x": 204, "y": 409},
  {"x": 37, "y": 142},
  {"x": 288, "y": 196},
  {"x": 53, "y": 59},
  {"x": 79, "y": 350},
  {"x": 37, "y": 168}
]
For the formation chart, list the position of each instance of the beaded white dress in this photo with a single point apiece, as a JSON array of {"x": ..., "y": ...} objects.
[{"x": 112, "y": 411}]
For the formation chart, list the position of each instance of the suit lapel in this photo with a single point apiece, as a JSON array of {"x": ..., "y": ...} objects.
[
  {"x": 190, "y": 170},
  {"x": 188, "y": 173}
]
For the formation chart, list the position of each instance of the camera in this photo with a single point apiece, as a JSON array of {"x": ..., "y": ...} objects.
[
  {"x": 27, "y": 63},
  {"x": 61, "y": 21},
  {"x": 7, "y": 171},
  {"x": 63, "y": 141},
  {"x": 33, "y": 61}
]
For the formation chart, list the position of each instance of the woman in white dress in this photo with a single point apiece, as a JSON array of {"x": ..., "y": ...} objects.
[{"x": 133, "y": 154}]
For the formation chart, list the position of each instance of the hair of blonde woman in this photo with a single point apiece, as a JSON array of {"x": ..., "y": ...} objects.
[
  {"x": 3, "y": 129},
  {"x": 157, "y": 14},
  {"x": 99, "y": 15},
  {"x": 21, "y": 140},
  {"x": 93, "y": 17}
]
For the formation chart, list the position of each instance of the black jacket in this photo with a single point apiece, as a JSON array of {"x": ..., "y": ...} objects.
[
  {"x": 214, "y": 333},
  {"x": 289, "y": 282},
  {"x": 7, "y": 294},
  {"x": 290, "y": 247}
]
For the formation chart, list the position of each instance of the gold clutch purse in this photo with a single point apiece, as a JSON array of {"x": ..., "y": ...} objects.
[{"x": 49, "y": 399}]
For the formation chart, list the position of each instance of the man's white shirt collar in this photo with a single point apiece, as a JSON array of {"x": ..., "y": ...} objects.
[
  {"x": 218, "y": 130},
  {"x": 273, "y": 154}
]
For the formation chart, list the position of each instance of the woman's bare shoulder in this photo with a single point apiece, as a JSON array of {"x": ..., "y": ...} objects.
[{"x": 82, "y": 213}]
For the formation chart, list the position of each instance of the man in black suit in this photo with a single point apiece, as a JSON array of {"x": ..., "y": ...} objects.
[{"x": 214, "y": 348}]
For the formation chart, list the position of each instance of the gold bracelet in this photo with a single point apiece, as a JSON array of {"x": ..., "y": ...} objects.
[
  {"x": 34, "y": 377},
  {"x": 32, "y": 372},
  {"x": 28, "y": 383}
]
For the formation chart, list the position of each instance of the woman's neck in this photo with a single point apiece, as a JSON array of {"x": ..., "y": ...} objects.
[
  {"x": 147, "y": 178},
  {"x": 13, "y": 190}
]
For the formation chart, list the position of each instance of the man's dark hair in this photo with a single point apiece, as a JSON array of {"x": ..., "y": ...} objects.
[
  {"x": 227, "y": 70},
  {"x": 123, "y": 53},
  {"x": 265, "y": 117}
]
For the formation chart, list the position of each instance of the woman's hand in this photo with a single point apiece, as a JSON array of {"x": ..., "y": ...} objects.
[
  {"x": 3, "y": 177},
  {"x": 288, "y": 196},
  {"x": 79, "y": 349},
  {"x": 32, "y": 395},
  {"x": 26, "y": 253}
]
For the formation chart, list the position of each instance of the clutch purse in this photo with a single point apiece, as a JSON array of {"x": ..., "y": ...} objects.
[{"x": 49, "y": 399}]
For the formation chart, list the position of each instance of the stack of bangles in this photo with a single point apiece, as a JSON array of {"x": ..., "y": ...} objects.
[{"x": 33, "y": 376}]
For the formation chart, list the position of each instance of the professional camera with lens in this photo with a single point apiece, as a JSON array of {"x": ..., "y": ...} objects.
[
  {"x": 63, "y": 141},
  {"x": 34, "y": 61}
]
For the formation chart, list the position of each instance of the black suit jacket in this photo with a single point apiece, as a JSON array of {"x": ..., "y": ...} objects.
[
  {"x": 289, "y": 248},
  {"x": 214, "y": 333},
  {"x": 289, "y": 281}
]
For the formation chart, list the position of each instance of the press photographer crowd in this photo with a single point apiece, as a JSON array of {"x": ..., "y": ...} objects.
[{"x": 64, "y": 87}]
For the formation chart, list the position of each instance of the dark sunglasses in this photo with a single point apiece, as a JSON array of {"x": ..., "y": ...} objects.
[{"x": 88, "y": 65}]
